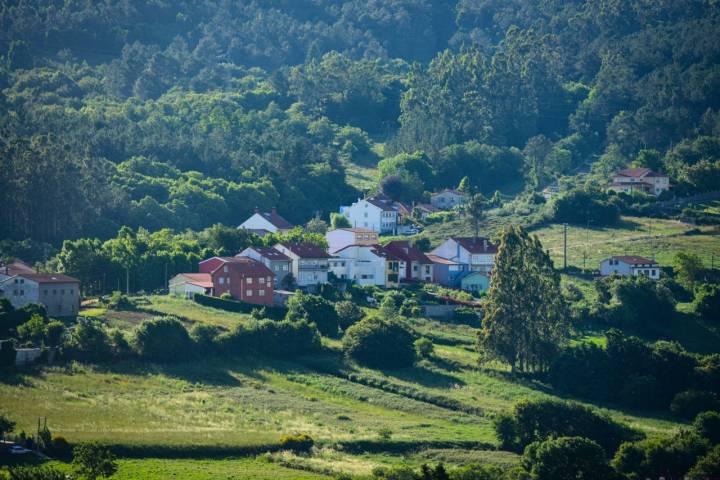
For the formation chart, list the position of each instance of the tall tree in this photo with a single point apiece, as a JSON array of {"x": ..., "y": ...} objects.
[
  {"x": 526, "y": 319},
  {"x": 475, "y": 212}
]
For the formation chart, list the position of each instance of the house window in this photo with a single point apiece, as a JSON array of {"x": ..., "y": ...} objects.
[
  {"x": 222, "y": 280},
  {"x": 277, "y": 268},
  {"x": 54, "y": 291},
  {"x": 225, "y": 269},
  {"x": 415, "y": 268},
  {"x": 262, "y": 279},
  {"x": 62, "y": 291},
  {"x": 22, "y": 280},
  {"x": 228, "y": 280},
  {"x": 22, "y": 292},
  {"x": 72, "y": 292},
  {"x": 248, "y": 293},
  {"x": 45, "y": 292},
  {"x": 261, "y": 293},
  {"x": 285, "y": 267},
  {"x": 249, "y": 280}
]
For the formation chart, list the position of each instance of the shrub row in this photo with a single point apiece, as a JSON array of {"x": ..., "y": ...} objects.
[{"x": 274, "y": 312}]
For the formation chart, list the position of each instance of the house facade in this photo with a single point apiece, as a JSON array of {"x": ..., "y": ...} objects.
[
  {"x": 477, "y": 253},
  {"x": 413, "y": 264},
  {"x": 626, "y": 265},
  {"x": 644, "y": 180},
  {"x": 310, "y": 263},
  {"x": 244, "y": 278},
  {"x": 279, "y": 263},
  {"x": 271, "y": 222},
  {"x": 60, "y": 294},
  {"x": 342, "y": 237},
  {"x": 448, "y": 199},
  {"x": 374, "y": 213},
  {"x": 188, "y": 284},
  {"x": 447, "y": 272},
  {"x": 359, "y": 263}
]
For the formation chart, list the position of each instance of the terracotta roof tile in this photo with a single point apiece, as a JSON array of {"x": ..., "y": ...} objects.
[{"x": 477, "y": 245}]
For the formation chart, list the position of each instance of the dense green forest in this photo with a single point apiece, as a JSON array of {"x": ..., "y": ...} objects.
[{"x": 178, "y": 114}]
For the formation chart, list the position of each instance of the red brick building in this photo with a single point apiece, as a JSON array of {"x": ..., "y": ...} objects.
[{"x": 245, "y": 279}]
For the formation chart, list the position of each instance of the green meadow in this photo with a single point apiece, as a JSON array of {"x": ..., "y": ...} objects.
[{"x": 176, "y": 418}]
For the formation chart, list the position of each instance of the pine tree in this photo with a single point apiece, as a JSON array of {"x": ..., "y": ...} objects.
[{"x": 526, "y": 319}]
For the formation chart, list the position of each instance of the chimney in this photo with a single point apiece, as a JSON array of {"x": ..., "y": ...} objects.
[
  {"x": 274, "y": 211},
  {"x": 257, "y": 210}
]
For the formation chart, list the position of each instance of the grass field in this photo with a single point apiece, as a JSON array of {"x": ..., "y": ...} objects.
[
  {"x": 588, "y": 246},
  {"x": 189, "y": 413},
  {"x": 648, "y": 237}
]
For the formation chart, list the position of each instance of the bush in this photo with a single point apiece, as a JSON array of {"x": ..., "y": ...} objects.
[
  {"x": 707, "y": 466},
  {"x": 314, "y": 309},
  {"x": 298, "y": 442},
  {"x": 707, "y": 425},
  {"x": 567, "y": 458},
  {"x": 644, "y": 302},
  {"x": 92, "y": 460},
  {"x": 60, "y": 446},
  {"x": 119, "y": 301},
  {"x": 664, "y": 457},
  {"x": 274, "y": 339},
  {"x": 89, "y": 341},
  {"x": 690, "y": 403},
  {"x": 379, "y": 343},
  {"x": 163, "y": 339},
  {"x": 538, "y": 420},
  {"x": 204, "y": 337},
  {"x": 423, "y": 347},
  {"x": 707, "y": 302},
  {"x": 348, "y": 313},
  {"x": 275, "y": 312}
]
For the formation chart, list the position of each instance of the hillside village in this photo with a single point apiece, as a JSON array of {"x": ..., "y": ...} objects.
[{"x": 355, "y": 253}]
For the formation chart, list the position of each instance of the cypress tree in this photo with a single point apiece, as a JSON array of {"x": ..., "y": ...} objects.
[{"x": 526, "y": 319}]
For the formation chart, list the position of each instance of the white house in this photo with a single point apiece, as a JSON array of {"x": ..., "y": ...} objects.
[
  {"x": 447, "y": 199},
  {"x": 264, "y": 222},
  {"x": 59, "y": 293},
  {"x": 373, "y": 213},
  {"x": 364, "y": 264},
  {"x": 188, "y": 284},
  {"x": 630, "y": 265},
  {"x": 639, "y": 180},
  {"x": 342, "y": 237},
  {"x": 478, "y": 253},
  {"x": 309, "y": 262}
]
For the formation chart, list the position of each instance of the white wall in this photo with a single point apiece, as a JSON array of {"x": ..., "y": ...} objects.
[
  {"x": 258, "y": 222},
  {"x": 621, "y": 268},
  {"x": 338, "y": 239},
  {"x": 363, "y": 214}
]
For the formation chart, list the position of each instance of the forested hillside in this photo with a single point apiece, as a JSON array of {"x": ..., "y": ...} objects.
[{"x": 181, "y": 114}]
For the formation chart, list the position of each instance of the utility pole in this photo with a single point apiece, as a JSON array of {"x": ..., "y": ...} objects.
[{"x": 565, "y": 225}]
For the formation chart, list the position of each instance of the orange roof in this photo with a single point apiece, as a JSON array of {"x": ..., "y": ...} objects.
[{"x": 200, "y": 279}]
